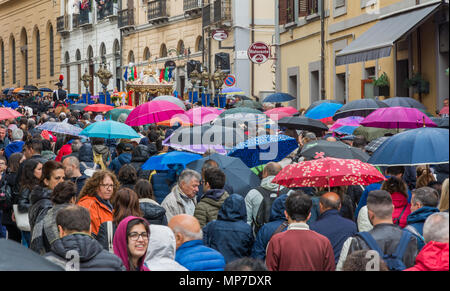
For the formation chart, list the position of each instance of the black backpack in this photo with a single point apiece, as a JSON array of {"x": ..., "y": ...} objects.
[{"x": 263, "y": 214}]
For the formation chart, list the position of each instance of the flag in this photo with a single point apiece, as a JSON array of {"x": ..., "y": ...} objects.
[
  {"x": 134, "y": 73},
  {"x": 125, "y": 76},
  {"x": 170, "y": 74},
  {"x": 166, "y": 74}
]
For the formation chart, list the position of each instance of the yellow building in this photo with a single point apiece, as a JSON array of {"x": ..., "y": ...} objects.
[
  {"x": 362, "y": 40},
  {"x": 29, "y": 44}
]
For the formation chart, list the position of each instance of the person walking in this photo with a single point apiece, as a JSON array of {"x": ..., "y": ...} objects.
[
  {"x": 73, "y": 172},
  {"x": 398, "y": 190},
  {"x": 123, "y": 157}
]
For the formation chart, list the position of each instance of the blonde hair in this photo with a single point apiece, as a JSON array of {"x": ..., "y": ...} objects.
[{"x": 443, "y": 203}]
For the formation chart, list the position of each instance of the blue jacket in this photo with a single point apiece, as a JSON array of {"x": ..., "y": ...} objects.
[
  {"x": 194, "y": 256},
  {"x": 417, "y": 220},
  {"x": 117, "y": 163},
  {"x": 264, "y": 235},
  {"x": 230, "y": 234},
  {"x": 336, "y": 228},
  {"x": 162, "y": 183},
  {"x": 13, "y": 147}
]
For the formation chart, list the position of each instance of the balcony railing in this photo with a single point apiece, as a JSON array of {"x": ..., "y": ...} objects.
[
  {"x": 126, "y": 18},
  {"x": 84, "y": 18},
  {"x": 157, "y": 11},
  {"x": 190, "y": 5},
  {"x": 206, "y": 12},
  {"x": 106, "y": 10},
  {"x": 222, "y": 11},
  {"x": 62, "y": 23},
  {"x": 75, "y": 21}
]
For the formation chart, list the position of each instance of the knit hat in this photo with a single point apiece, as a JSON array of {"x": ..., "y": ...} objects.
[{"x": 17, "y": 134}]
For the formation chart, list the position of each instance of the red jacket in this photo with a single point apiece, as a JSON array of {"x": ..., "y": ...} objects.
[
  {"x": 400, "y": 201},
  {"x": 64, "y": 151},
  {"x": 433, "y": 257}
]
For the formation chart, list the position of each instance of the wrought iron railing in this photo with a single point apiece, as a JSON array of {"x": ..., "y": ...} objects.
[
  {"x": 126, "y": 18},
  {"x": 157, "y": 9}
]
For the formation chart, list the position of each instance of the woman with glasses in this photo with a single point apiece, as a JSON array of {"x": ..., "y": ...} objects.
[
  {"x": 96, "y": 196},
  {"x": 131, "y": 242}
]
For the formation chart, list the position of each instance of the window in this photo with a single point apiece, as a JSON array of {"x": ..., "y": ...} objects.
[
  {"x": 146, "y": 54},
  {"x": 78, "y": 55},
  {"x": 199, "y": 44},
  {"x": 131, "y": 57},
  {"x": 103, "y": 52},
  {"x": 180, "y": 48},
  {"x": 2, "y": 60},
  {"x": 163, "y": 51},
  {"x": 13, "y": 59},
  {"x": 38, "y": 55},
  {"x": 52, "y": 53},
  {"x": 339, "y": 8}
]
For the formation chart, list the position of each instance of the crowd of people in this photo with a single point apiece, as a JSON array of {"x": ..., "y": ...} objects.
[{"x": 63, "y": 193}]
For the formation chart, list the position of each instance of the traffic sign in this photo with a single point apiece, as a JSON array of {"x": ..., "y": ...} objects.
[
  {"x": 258, "y": 52},
  {"x": 230, "y": 81},
  {"x": 220, "y": 34}
]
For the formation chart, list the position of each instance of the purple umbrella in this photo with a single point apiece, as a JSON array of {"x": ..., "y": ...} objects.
[
  {"x": 398, "y": 117},
  {"x": 348, "y": 121}
]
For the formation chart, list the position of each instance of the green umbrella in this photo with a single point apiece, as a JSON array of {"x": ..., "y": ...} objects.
[
  {"x": 371, "y": 133},
  {"x": 249, "y": 104},
  {"x": 242, "y": 110},
  {"x": 115, "y": 113}
]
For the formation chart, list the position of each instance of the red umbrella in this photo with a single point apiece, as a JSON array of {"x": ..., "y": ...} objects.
[
  {"x": 8, "y": 113},
  {"x": 328, "y": 172},
  {"x": 98, "y": 108}
]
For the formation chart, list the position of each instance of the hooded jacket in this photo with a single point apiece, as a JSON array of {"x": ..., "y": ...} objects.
[
  {"x": 40, "y": 206},
  {"x": 117, "y": 163},
  {"x": 92, "y": 257},
  {"x": 99, "y": 212},
  {"x": 208, "y": 207},
  {"x": 433, "y": 257},
  {"x": 417, "y": 219},
  {"x": 161, "y": 250},
  {"x": 230, "y": 234},
  {"x": 13, "y": 147},
  {"x": 195, "y": 256},
  {"x": 140, "y": 155},
  {"x": 152, "y": 211},
  {"x": 120, "y": 244}
]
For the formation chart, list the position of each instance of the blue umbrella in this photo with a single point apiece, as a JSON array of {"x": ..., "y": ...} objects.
[
  {"x": 109, "y": 130},
  {"x": 421, "y": 146},
  {"x": 263, "y": 149},
  {"x": 162, "y": 162},
  {"x": 61, "y": 127},
  {"x": 232, "y": 90},
  {"x": 346, "y": 129},
  {"x": 279, "y": 97},
  {"x": 323, "y": 110}
]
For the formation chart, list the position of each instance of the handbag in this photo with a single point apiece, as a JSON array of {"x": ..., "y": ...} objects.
[{"x": 22, "y": 221}]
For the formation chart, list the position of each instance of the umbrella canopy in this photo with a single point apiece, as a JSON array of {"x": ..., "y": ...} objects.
[
  {"x": 73, "y": 95},
  {"x": 241, "y": 96},
  {"x": 361, "y": 107},
  {"x": 397, "y": 117},
  {"x": 279, "y": 97},
  {"x": 45, "y": 90},
  {"x": 179, "y": 119},
  {"x": 404, "y": 102},
  {"x": 249, "y": 103},
  {"x": 242, "y": 110},
  {"x": 317, "y": 103},
  {"x": 171, "y": 99},
  {"x": 375, "y": 144},
  {"x": 31, "y": 88},
  {"x": 115, "y": 113},
  {"x": 348, "y": 121},
  {"x": 250, "y": 120},
  {"x": 346, "y": 129},
  {"x": 303, "y": 123},
  {"x": 153, "y": 112},
  {"x": 202, "y": 115},
  {"x": 238, "y": 176},
  {"x": 8, "y": 113},
  {"x": 109, "y": 130},
  {"x": 161, "y": 162},
  {"x": 324, "y": 110},
  {"x": 264, "y": 149},
  {"x": 61, "y": 127},
  {"x": 371, "y": 133},
  {"x": 421, "y": 146},
  {"x": 98, "y": 108},
  {"x": 5, "y": 91},
  {"x": 444, "y": 110},
  {"x": 233, "y": 90},
  {"x": 322, "y": 148},
  {"x": 126, "y": 107},
  {"x": 281, "y": 112},
  {"x": 328, "y": 172},
  {"x": 78, "y": 106},
  {"x": 17, "y": 90},
  {"x": 440, "y": 122}
]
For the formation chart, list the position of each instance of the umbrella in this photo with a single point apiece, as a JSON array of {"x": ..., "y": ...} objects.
[
  {"x": 73, "y": 95},
  {"x": 362, "y": 107},
  {"x": 404, "y": 102},
  {"x": 242, "y": 110},
  {"x": 339, "y": 150},
  {"x": 109, "y": 130},
  {"x": 324, "y": 110},
  {"x": 317, "y": 103},
  {"x": 279, "y": 97},
  {"x": 348, "y": 121},
  {"x": 61, "y": 127},
  {"x": 346, "y": 129},
  {"x": 98, "y": 108},
  {"x": 115, "y": 113},
  {"x": 242, "y": 97},
  {"x": 153, "y": 112},
  {"x": 161, "y": 162},
  {"x": 30, "y": 88},
  {"x": 238, "y": 176},
  {"x": 171, "y": 99},
  {"x": 17, "y": 90},
  {"x": 5, "y": 91},
  {"x": 375, "y": 144},
  {"x": 78, "y": 106},
  {"x": 263, "y": 149},
  {"x": 8, "y": 113},
  {"x": 16, "y": 257},
  {"x": 249, "y": 120},
  {"x": 233, "y": 90},
  {"x": 45, "y": 90},
  {"x": 201, "y": 115},
  {"x": 281, "y": 112},
  {"x": 371, "y": 133},
  {"x": 179, "y": 119},
  {"x": 23, "y": 92},
  {"x": 303, "y": 123},
  {"x": 328, "y": 172},
  {"x": 440, "y": 122},
  {"x": 126, "y": 107},
  {"x": 397, "y": 117},
  {"x": 421, "y": 146},
  {"x": 249, "y": 103}
]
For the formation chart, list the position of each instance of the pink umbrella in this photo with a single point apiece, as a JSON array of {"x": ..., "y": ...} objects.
[
  {"x": 153, "y": 112},
  {"x": 202, "y": 115},
  {"x": 281, "y": 112},
  {"x": 348, "y": 121},
  {"x": 398, "y": 117}
]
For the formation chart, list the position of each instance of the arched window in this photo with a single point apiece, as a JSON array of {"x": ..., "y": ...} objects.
[
  {"x": 131, "y": 57},
  {"x": 147, "y": 54},
  {"x": 90, "y": 53},
  {"x": 199, "y": 44},
  {"x": 103, "y": 52},
  {"x": 180, "y": 48},
  {"x": 38, "y": 54},
  {"x": 52, "y": 52},
  {"x": 12, "y": 48},
  {"x": 116, "y": 47},
  {"x": 163, "y": 51},
  {"x": 2, "y": 61},
  {"x": 66, "y": 58},
  {"x": 78, "y": 55}
]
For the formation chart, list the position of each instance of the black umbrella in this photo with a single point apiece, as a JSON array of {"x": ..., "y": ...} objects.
[
  {"x": 303, "y": 123},
  {"x": 322, "y": 148},
  {"x": 15, "y": 257},
  {"x": 440, "y": 122},
  {"x": 45, "y": 90},
  {"x": 78, "y": 106},
  {"x": 361, "y": 108},
  {"x": 31, "y": 88},
  {"x": 238, "y": 176},
  {"x": 404, "y": 102},
  {"x": 317, "y": 103},
  {"x": 242, "y": 97}
]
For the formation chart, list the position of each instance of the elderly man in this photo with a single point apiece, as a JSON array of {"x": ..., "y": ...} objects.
[
  {"x": 73, "y": 173},
  {"x": 191, "y": 253},
  {"x": 182, "y": 199}
]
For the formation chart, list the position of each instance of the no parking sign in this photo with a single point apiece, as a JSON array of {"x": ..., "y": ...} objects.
[{"x": 230, "y": 81}]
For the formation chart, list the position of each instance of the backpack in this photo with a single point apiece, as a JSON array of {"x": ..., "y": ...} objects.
[
  {"x": 263, "y": 214},
  {"x": 98, "y": 159},
  {"x": 393, "y": 261}
]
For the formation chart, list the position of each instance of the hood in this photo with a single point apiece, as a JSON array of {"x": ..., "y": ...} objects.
[
  {"x": 266, "y": 183},
  {"x": 151, "y": 210},
  {"x": 124, "y": 158},
  {"x": 39, "y": 193},
  {"x": 215, "y": 194},
  {"x": 141, "y": 153},
  {"x": 16, "y": 146},
  {"x": 233, "y": 209},
  {"x": 161, "y": 244},
  {"x": 101, "y": 149},
  {"x": 120, "y": 242},
  {"x": 433, "y": 257},
  {"x": 48, "y": 155},
  {"x": 421, "y": 214},
  {"x": 86, "y": 246},
  {"x": 399, "y": 200},
  {"x": 277, "y": 210},
  {"x": 85, "y": 153}
]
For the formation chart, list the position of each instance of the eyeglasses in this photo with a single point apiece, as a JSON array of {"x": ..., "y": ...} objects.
[
  {"x": 134, "y": 236},
  {"x": 107, "y": 186}
]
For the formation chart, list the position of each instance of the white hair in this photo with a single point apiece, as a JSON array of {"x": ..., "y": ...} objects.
[
  {"x": 187, "y": 175},
  {"x": 436, "y": 228},
  {"x": 188, "y": 234}
]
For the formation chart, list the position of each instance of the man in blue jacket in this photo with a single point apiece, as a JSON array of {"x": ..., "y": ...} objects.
[
  {"x": 331, "y": 224},
  {"x": 124, "y": 151}
]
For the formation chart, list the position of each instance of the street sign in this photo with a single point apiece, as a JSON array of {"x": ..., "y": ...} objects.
[
  {"x": 230, "y": 81},
  {"x": 220, "y": 34},
  {"x": 258, "y": 52}
]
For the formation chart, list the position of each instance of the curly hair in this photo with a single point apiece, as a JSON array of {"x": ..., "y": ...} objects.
[
  {"x": 92, "y": 184},
  {"x": 127, "y": 175}
]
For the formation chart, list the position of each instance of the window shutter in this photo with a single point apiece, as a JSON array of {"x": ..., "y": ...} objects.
[
  {"x": 339, "y": 3},
  {"x": 302, "y": 8},
  {"x": 282, "y": 10}
]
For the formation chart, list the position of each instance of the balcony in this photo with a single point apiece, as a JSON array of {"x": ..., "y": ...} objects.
[
  {"x": 85, "y": 18},
  {"x": 222, "y": 11},
  {"x": 157, "y": 12},
  {"x": 192, "y": 7},
  {"x": 75, "y": 21},
  {"x": 107, "y": 10},
  {"x": 206, "y": 18},
  {"x": 126, "y": 19},
  {"x": 62, "y": 24}
]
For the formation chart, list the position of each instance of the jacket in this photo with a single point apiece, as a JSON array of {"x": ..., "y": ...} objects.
[
  {"x": 92, "y": 257},
  {"x": 63, "y": 151},
  {"x": 48, "y": 155},
  {"x": 140, "y": 155},
  {"x": 266, "y": 232},
  {"x": 336, "y": 228},
  {"x": 195, "y": 256},
  {"x": 161, "y": 250},
  {"x": 433, "y": 257},
  {"x": 208, "y": 207},
  {"x": 152, "y": 211},
  {"x": 417, "y": 219},
  {"x": 99, "y": 212},
  {"x": 9, "y": 179},
  {"x": 230, "y": 234},
  {"x": 85, "y": 153},
  {"x": 23, "y": 200},
  {"x": 104, "y": 151},
  {"x": 162, "y": 182},
  {"x": 117, "y": 163},
  {"x": 79, "y": 181},
  {"x": 400, "y": 205},
  {"x": 173, "y": 203},
  {"x": 40, "y": 206},
  {"x": 120, "y": 244},
  {"x": 13, "y": 147}
]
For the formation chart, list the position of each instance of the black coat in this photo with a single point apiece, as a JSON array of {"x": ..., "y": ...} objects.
[
  {"x": 10, "y": 180},
  {"x": 154, "y": 213}
]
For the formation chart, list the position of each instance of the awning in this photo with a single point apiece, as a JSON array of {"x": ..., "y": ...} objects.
[{"x": 378, "y": 41}]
